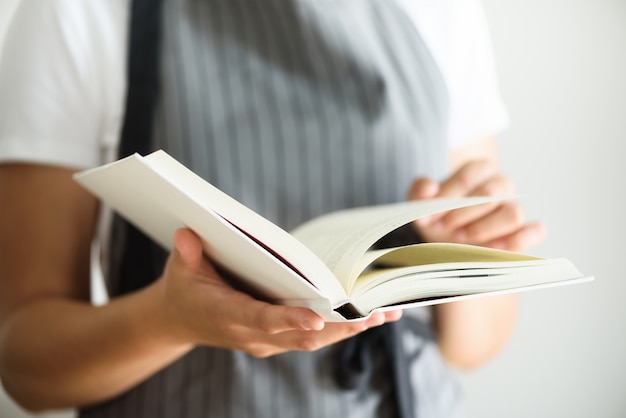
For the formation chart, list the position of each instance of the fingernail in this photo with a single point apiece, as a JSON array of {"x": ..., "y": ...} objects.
[{"x": 312, "y": 326}]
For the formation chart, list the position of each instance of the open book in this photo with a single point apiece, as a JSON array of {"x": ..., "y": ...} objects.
[{"x": 326, "y": 264}]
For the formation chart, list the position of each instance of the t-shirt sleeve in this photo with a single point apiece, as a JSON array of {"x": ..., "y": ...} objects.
[
  {"x": 457, "y": 33},
  {"x": 61, "y": 74},
  {"x": 477, "y": 109}
]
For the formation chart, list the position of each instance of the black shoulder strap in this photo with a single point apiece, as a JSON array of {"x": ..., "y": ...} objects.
[
  {"x": 142, "y": 76},
  {"x": 136, "y": 260}
]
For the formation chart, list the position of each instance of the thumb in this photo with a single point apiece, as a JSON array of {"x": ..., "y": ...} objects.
[
  {"x": 423, "y": 188},
  {"x": 188, "y": 246}
]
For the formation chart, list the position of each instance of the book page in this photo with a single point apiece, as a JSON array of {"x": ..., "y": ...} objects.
[
  {"x": 430, "y": 255},
  {"x": 341, "y": 238},
  {"x": 407, "y": 284}
]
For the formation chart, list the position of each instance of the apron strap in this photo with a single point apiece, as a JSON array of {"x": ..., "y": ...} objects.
[
  {"x": 139, "y": 260},
  {"x": 143, "y": 83},
  {"x": 357, "y": 362}
]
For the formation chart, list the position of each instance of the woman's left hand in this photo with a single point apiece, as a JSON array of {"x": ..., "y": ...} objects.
[{"x": 499, "y": 225}]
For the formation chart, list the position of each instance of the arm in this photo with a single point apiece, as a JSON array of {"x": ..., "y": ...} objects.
[
  {"x": 471, "y": 332},
  {"x": 57, "y": 350}
]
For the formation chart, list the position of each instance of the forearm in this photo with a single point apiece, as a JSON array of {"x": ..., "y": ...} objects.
[
  {"x": 473, "y": 331},
  {"x": 64, "y": 353}
]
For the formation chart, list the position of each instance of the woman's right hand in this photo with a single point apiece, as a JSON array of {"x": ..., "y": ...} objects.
[{"x": 198, "y": 306}]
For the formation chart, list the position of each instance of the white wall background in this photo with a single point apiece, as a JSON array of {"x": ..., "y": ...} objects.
[{"x": 562, "y": 66}]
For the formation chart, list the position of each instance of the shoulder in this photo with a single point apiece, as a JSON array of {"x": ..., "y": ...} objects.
[{"x": 62, "y": 65}]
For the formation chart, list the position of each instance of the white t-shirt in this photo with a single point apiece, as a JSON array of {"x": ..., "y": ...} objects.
[{"x": 63, "y": 81}]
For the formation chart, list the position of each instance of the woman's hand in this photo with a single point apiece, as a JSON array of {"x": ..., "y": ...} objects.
[
  {"x": 497, "y": 225},
  {"x": 199, "y": 307},
  {"x": 472, "y": 331},
  {"x": 57, "y": 350}
]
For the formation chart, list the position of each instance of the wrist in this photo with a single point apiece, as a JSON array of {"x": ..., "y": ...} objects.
[{"x": 158, "y": 321}]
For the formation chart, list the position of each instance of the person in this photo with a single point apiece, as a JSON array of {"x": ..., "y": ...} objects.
[{"x": 295, "y": 108}]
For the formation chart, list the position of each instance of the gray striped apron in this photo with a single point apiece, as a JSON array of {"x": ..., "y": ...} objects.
[{"x": 295, "y": 108}]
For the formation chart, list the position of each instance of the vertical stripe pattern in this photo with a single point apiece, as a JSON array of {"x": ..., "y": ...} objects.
[
  {"x": 300, "y": 107},
  {"x": 296, "y": 108}
]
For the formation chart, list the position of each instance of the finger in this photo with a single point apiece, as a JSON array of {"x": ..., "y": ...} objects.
[
  {"x": 263, "y": 344},
  {"x": 522, "y": 239},
  {"x": 188, "y": 258},
  {"x": 494, "y": 186},
  {"x": 188, "y": 246},
  {"x": 242, "y": 311},
  {"x": 468, "y": 178},
  {"x": 338, "y": 331},
  {"x": 393, "y": 316},
  {"x": 462, "y": 183},
  {"x": 504, "y": 220},
  {"x": 423, "y": 188},
  {"x": 273, "y": 319},
  {"x": 459, "y": 218},
  {"x": 332, "y": 333},
  {"x": 235, "y": 320}
]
